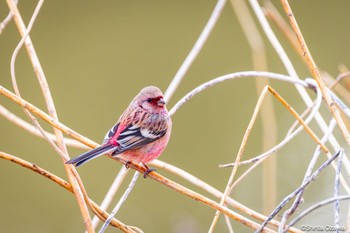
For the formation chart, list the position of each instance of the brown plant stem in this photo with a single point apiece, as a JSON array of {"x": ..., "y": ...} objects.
[
  {"x": 296, "y": 115},
  {"x": 314, "y": 70},
  {"x": 31, "y": 166},
  {"x": 33, "y": 130},
  {"x": 198, "y": 197},
  {"x": 55, "y": 123},
  {"x": 267, "y": 112},
  {"x": 51, "y": 108}
]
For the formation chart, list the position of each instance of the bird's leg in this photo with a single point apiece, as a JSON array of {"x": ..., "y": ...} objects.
[{"x": 149, "y": 170}]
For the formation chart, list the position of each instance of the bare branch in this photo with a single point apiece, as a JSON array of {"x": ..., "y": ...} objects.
[
  {"x": 195, "y": 50},
  {"x": 298, "y": 190}
]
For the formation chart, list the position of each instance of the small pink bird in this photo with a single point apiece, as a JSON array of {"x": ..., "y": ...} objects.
[{"x": 141, "y": 133}]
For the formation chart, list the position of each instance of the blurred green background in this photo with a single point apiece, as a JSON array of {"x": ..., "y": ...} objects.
[{"x": 98, "y": 55}]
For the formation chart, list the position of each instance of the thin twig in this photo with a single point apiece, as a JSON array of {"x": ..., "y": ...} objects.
[
  {"x": 55, "y": 123},
  {"x": 239, "y": 156},
  {"x": 111, "y": 192},
  {"x": 36, "y": 169},
  {"x": 299, "y": 189},
  {"x": 341, "y": 90},
  {"x": 14, "y": 80},
  {"x": 196, "y": 196},
  {"x": 62, "y": 183},
  {"x": 239, "y": 179},
  {"x": 302, "y": 115},
  {"x": 340, "y": 103},
  {"x": 296, "y": 115},
  {"x": 211, "y": 190},
  {"x": 121, "y": 201},
  {"x": 8, "y": 19},
  {"x": 285, "y": 140},
  {"x": 316, "y": 206},
  {"x": 336, "y": 191},
  {"x": 272, "y": 13},
  {"x": 276, "y": 44},
  {"x": 246, "y": 135},
  {"x": 33, "y": 130},
  {"x": 49, "y": 102},
  {"x": 24, "y": 35},
  {"x": 315, "y": 72},
  {"x": 308, "y": 172},
  {"x": 195, "y": 50},
  {"x": 267, "y": 112},
  {"x": 323, "y": 88},
  {"x": 238, "y": 75},
  {"x": 290, "y": 69},
  {"x": 339, "y": 79}
]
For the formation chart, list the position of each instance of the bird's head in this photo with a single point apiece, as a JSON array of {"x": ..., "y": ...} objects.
[{"x": 151, "y": 99}]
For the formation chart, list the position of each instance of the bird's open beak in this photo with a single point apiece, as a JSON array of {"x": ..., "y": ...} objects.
[{"x": 161, "y": 102}]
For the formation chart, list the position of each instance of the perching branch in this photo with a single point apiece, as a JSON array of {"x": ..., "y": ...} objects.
[{"x": 64, "y": 184}]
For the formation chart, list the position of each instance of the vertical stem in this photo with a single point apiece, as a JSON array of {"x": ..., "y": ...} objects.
[
  {"x": 268, "y": 119},
  {"x": 51, "y": 109},
  {"x": 239, "y": 157},
  {"x": 314, "y": 71},
  {"x": 195, "y": 50}
]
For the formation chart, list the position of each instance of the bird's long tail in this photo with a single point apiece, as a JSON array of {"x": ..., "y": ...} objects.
[{"x": 87, "y": 156}]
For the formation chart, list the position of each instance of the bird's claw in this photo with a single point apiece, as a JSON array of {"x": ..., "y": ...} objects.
[
  {"x": 127, "y": 164},
  {"x": 148, "y": 171}
]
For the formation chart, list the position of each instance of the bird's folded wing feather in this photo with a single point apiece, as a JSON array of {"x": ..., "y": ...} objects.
[{"x": 134, "y": 137}]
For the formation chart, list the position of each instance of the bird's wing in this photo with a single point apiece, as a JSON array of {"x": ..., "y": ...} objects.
[
  {"x": 111, "y": 133},
  {"x": 134, "y": 136}
]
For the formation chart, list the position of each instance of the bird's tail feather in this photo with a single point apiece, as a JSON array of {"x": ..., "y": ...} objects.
[{"x": 87, "y": 156}]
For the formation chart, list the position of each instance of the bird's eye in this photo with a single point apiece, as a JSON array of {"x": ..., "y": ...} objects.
[{"x": 149, "y": 100}]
